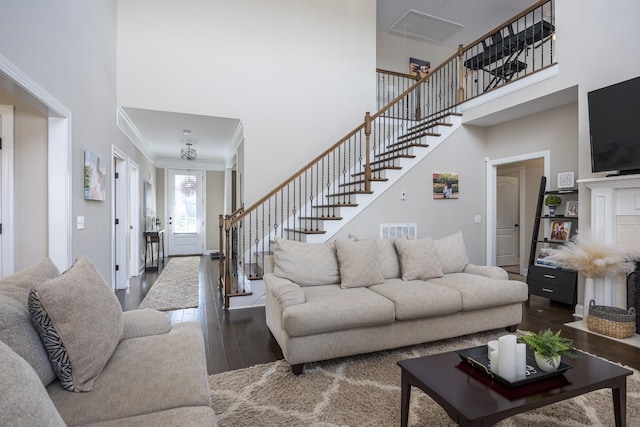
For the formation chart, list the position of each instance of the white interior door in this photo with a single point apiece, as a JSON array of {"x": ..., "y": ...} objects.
[
  {"x": 507, "y": 217},
  {"x": 185, "y": 209}
]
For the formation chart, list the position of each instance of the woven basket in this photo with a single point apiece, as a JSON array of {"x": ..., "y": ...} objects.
[{"x": 611, "y": 321}]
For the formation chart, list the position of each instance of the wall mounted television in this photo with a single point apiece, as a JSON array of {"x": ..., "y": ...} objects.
[{"x": 614, "y": 127}]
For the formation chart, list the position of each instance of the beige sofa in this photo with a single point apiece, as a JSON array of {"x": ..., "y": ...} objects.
[
  {"x": 356, "y": 296},
  {"x": 70, "y": 356}
]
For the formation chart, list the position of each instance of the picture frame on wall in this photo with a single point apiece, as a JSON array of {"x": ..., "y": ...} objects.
[
  {"x": 94, "y": 176},
  {"x": 571, "y": 208},
  {"x": 560, "y": 231},
  {"x": 419, "y": 67},
  {"x": 446, "y": 186}
]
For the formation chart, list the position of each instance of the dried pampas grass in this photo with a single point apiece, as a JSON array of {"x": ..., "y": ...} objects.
[{"x": 593, "y": 258}]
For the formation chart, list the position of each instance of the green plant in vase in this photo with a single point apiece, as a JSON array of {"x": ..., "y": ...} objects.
[
  {"x": 548, "y": 348},
  {"x": 552, "y": 201}
]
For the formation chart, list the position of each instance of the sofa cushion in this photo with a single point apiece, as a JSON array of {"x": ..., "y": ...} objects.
[
  {"x": 18, "y": 333},
  {"x": 332, "y": 308},
  {"x": 16, "y": 329},
  {"x": 452, "y": 253},
  {"x": 144, "y": 375},
  {"x": 24, "y": 401},
  {"x": 417, "y": 299},
  {"x": 481, "y": 292},
  {"x": 388, "y": 256},
  {"x": 79, "y": 319},
  {"x": 306, "y": 264},
  {"x": 19, "y": 284},
  {"x": 359, "y": 263},
  {"x": 418, "y": 259}
]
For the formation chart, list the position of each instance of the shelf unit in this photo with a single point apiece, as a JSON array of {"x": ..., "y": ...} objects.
[{"x": 548, "y": 281}]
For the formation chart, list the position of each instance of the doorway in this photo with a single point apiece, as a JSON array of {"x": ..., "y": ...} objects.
[
  {"x": 185, "y": 212},
  {"x": 120, "y": 220},
  {"x": 532, "y": 166}
]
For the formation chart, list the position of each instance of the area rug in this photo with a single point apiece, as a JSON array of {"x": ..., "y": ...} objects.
[
  {"x": 364, "y": 391},
  {"x": 176, "y": 287}
]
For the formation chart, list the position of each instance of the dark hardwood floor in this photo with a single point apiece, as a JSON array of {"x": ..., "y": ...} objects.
[{"x": 237, "y": 339}]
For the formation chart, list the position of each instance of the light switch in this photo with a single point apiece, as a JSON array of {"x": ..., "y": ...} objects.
[
  {"x": 80, "y": 222},
  {"x": 478, "y": 219}
]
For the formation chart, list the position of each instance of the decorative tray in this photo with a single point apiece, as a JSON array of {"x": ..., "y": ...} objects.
[{"x": 478, "y": 359}]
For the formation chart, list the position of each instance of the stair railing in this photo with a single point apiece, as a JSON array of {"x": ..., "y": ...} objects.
[{"x": 318, "y": 191}]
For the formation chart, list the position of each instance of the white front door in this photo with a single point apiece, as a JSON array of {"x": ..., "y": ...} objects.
[
  {"x": 184, "y": 212},
  {"x": 507, "y": 214}
]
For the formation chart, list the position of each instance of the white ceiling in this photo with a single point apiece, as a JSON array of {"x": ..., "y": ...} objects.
[{"x": 455, "y": 22}]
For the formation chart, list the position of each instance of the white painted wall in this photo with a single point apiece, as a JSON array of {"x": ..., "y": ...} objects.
[
  {"x": 299, "y": 74},
  {"x": 394, "y": 52}
]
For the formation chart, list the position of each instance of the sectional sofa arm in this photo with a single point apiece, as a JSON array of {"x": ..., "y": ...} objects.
[
  {"x": 490, "y": 271},
  {"x": 284, "y": 291},
  {"x": 144, "y": 322}
]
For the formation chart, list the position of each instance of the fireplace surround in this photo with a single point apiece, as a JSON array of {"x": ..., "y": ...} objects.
[{"x": 615, "y": 217}]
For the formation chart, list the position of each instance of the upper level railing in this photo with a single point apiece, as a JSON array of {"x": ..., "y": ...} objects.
[{"x": 410, "y": 109}]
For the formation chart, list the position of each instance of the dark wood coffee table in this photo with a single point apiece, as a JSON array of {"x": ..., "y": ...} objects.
[{"x": 472, "y": 398}]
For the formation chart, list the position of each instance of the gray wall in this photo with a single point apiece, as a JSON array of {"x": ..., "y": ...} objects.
[{"x": 214, "y": 207}]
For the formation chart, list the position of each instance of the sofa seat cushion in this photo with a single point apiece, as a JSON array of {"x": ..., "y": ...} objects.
[
  {"x": 144, "y": 375},
  {"x": 331, "y": 308},
  {"x": 481, "y": 292},
  {"x": 416, "y": 299}
]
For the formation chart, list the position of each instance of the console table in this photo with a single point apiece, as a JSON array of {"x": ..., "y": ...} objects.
[{"x": 151, "y": 237}]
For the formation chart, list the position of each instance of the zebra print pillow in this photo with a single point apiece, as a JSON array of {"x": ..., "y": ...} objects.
[{"x": 58, "y": 355}]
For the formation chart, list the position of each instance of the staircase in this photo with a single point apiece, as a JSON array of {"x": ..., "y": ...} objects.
[{"x": 332, "y": 189}]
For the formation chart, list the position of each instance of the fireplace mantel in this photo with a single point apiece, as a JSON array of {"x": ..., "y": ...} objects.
[{"x": 615, "y": 217}]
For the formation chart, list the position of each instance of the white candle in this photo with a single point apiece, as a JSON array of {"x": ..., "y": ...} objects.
[
  {"x": 521, "y": 360},
  {"x": 507, "y": 360},
  {"x": 493, "y": 361},
  {"x": 491, "y": 345}
]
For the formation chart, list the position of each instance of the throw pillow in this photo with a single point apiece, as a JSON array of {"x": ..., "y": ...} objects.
[
  {"x": 388, "y": 256},
  {"x": 418, "y": 259},
  {"x": 25, "y": 401},
  {"x": 452, "y": 253},
  {"x": 359, "y": 263},
  {"x": 79, "y": 320},
  {"x": 306, "y": 264}
]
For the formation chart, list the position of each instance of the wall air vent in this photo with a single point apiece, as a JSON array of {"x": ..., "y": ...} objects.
[{"x": 392, "y": 231}]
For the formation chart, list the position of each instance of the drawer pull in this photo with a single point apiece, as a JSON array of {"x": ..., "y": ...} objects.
[
  {"x": 549, "y": 276},
  {"x": 548, "y": 290}
]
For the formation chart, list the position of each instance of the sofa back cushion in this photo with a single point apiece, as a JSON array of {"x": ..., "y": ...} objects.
[
  {"x": 452, "y": 253},
  {"x": 79, "y": 319},
  {"x": 418, "y": 259},
  {"x": 25, "y": 401},
  {"x": 359, "y": 263},
  {"x": 16, "y": 329},
  {"x": 306, "y": 264}
]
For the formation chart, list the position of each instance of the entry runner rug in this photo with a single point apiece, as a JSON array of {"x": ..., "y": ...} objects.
[
  {"x": 176, "y": 287},
  {"x": 365, "y": 391}
]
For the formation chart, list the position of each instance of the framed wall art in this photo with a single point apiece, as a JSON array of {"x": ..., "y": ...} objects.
[
  {"x": 445, "y": 186},
  {"x": 94, "y": 176}
]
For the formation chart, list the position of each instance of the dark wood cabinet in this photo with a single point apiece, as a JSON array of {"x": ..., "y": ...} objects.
[{"x": 543, "y": 278}]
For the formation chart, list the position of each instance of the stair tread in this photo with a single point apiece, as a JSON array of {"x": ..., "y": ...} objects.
[
  {"x": 378, "y": 169},
  {"x": 323, "y": 218},
  {"x": 404, "y": 146},
  {"x": 361, "y": 181},
  {"x": 296, "y": 230},
  {"x": 336, "y": 205},
  {"x": 348, "y": 193}
]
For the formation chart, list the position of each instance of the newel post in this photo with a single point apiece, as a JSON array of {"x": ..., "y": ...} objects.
[
  {"x": 227, "y": 260},
  {"x": 367, "y": 165},
  {"x": 460, "y": 75}
]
